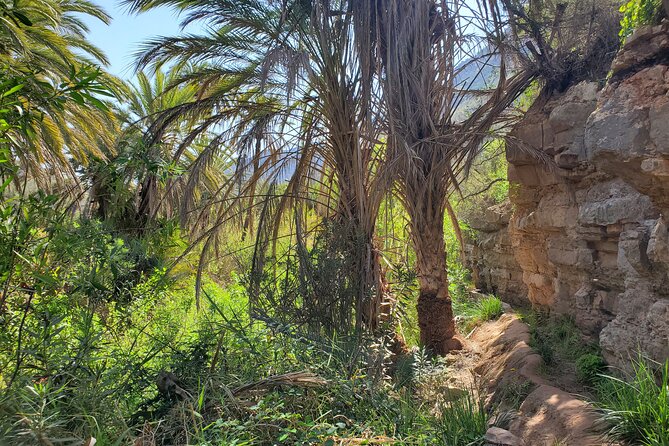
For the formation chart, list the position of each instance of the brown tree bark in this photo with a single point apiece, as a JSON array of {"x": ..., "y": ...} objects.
[{"x": 435, "y": 310}]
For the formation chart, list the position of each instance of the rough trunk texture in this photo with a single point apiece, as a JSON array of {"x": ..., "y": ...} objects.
[
  {"x": 435, "y": 312},
  {"x": 589, "y": 239}
]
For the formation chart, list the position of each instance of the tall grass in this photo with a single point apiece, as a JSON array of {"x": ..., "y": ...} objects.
[
  {"x": 637, "y": 409},
  {"x": 463, "y": 421},
  {"x": 473, "y": 312}
]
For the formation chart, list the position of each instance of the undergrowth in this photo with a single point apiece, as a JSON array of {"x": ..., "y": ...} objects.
[
  {"x": 638, "y": 13},
  {"x": 559, "y": 342},
  {"x": 108, "y": 345},
  {"x": 636, "y": 406}
]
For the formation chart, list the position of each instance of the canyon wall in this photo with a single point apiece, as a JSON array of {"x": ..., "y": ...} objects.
[{"x": 586, "y": 234}]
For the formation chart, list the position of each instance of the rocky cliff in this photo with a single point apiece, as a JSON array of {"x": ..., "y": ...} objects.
[{"x": 588, "y": 234}]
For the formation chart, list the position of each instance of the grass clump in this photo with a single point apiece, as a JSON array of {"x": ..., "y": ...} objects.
[
  {"x": 557, "y": 339},
  {"x": 636, "y": 409},
  {"x": 514, "y": 393},
  {"x": 472, "y": 312},
  {"x": 489, "y": 308},
  {"x": 463, "y": 421}
]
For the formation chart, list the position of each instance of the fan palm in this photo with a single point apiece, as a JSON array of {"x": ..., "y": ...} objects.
[{"x": 141, "y": 179}]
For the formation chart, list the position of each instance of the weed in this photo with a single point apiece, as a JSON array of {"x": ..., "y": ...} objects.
[
  {"x": 636, "y": 409},
  {"x": 556, "y": 339},
  {"x": 588, "y": 368},
  {"x": 514, "y": 393},
  {"x": 489, "y": 308},
  {"x": 471, "y": 313},
  {"x": 463, "y": 421}
]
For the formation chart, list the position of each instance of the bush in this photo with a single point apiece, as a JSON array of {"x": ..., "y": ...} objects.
[
  {"x": 588, "y": 368},
  {"x": 636, "y": 409},
  {"x": 638, "y": 13}
]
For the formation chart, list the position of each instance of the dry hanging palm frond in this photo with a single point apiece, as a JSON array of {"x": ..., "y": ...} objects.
[{"x": 303, "y": 60}]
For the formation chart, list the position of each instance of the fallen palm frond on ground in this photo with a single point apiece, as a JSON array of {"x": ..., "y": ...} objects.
[{"x": 299, "y": 379}]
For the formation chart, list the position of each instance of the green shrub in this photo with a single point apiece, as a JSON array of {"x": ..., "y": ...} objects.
[
  {"x": 638, "y": 13},
  {"x": 588, "y": 368},
  {"x": 637, "y": 409}
]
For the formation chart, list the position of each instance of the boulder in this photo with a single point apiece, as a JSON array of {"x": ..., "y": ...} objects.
[{"x": 501, "y": 437}]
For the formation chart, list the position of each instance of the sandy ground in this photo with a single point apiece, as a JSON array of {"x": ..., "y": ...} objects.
[{"x": 498, "y": 358}]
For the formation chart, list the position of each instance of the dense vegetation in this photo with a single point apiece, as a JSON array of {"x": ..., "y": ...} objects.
[{"x": 261, "y": 244}]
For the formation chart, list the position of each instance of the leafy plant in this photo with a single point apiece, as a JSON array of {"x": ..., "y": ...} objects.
[
  {"x": 637, "y": 13},
  {"x": 489, "y": 308},
  {"x": 588, "y": 368},
  {"x": 557, "y": 338}
]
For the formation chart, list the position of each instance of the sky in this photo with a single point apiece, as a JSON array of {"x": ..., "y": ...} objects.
[{"x": 122, "y": 38}]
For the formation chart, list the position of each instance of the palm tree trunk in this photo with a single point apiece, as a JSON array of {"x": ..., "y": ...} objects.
[
  {"x": 365, "y": 262},
  {"x": 435, "y": 311}
]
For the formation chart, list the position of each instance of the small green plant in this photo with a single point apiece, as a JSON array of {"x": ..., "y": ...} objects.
[
  {"x": 489, "y": 308},
  {"x": 514, "y": 393},
  {"x": 471, "y": 312},
  {"x": 556, "y": 339},
  {"x": 637, "y": 409},
  {"x": 463, "y": 421},
  {"x": 588, "y": 368}
]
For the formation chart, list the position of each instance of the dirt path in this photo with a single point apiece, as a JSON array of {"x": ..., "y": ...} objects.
[{"x": 497, "y": 356}]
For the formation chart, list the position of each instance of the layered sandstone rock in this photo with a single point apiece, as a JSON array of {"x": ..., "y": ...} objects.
[{"x": 586, "y": 234}]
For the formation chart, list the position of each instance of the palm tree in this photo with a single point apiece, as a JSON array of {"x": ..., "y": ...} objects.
[
  {"x": 284, "y": 82},
  {"x": 141, "y": 177},
  {"x": 44, "y": 53},
  {"x": 423, "y": 46}
]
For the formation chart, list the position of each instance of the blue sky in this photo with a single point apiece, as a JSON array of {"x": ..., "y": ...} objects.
[{"x": 127, "y": 31}]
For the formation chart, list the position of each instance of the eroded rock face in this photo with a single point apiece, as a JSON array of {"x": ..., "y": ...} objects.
[{"x": 588, "y": 237}]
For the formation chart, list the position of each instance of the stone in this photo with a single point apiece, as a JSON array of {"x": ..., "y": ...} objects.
[
  {"x": 658, "y": 116},
  {"x": 614, "y": 210},
  {"x": 616, "y": 132},
  {"x": 567, "y": 160},
  {"x": 644, "y": 45},
  {"x": 570, "y": 116},
  {"x": 658, "y": 244},
  {"x": 587, "y": 238},
  {"x": 632, "y": 258},
  {"x": 536, "y": 136},
  {"x": 657, "y": 167},
  {"x": 476, "y": 294},
  {"x": 501, "y": 437}
]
